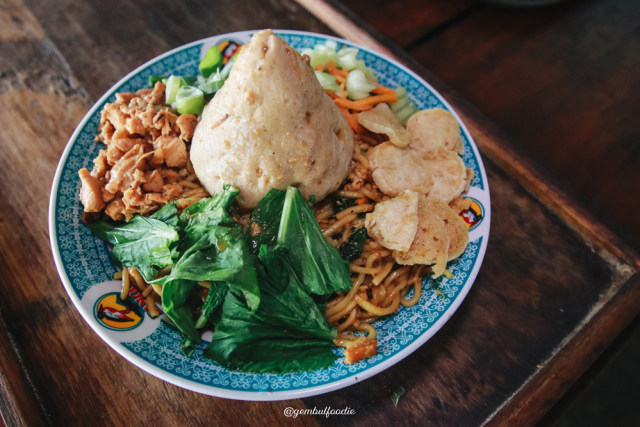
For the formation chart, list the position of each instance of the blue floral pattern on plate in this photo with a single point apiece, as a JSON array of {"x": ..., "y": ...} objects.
[{"x": 83, "y": 260}]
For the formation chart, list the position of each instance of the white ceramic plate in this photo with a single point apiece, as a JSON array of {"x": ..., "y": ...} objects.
[{"x": 86, "y": 270}]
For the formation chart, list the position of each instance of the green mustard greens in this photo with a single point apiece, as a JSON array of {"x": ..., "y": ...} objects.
[
  {"x": 288, "y": 332},
  {"x": 353, "y": 247},
  {"x": 265, "y": 221},
  {"x": 144, "y": 243},
  {"x": 267, "y": 285},
  {"x": 323, "y": 270}
]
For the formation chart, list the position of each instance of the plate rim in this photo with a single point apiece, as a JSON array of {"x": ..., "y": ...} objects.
[{"x": 213, "y": 390}]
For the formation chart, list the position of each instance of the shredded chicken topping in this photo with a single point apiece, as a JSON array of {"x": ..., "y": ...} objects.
[{"x": 145, "y": 162}]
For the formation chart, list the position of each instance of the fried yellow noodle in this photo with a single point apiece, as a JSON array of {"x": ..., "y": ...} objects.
[{"x": 380, "y": 285}]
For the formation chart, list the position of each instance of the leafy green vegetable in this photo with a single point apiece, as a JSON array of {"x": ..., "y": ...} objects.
[
  {"x": 288, "y": 332},
  {"x": 200, "y": 216},
  {"x": 221, "y": 254},
  {"x": 277, "y": 326},
  {"x": 215, "y": 297},
  {"x": 341, "y": 203},
  {"x": 167, "y": 214},
  {"x": 213, "y": 247},
  {"x": 284, "y": 284},
  {"x": 400, "y": 391},
  {"x": 266, "y": 217},
  {"x": 323, "y": 270},
  {"x": 352, "y": 248},
  {"x": 175, "y": 294},
  {"x": 154, "y": 79},
  {"x": 143, "y": 243}
]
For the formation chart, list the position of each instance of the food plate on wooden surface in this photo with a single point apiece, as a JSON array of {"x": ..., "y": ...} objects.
[{"x": 87, "y": 271}]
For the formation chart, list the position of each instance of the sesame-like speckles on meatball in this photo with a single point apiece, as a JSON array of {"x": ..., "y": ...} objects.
[{"x": 271, "y": 126}]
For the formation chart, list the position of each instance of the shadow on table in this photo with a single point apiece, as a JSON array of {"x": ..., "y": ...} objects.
[{"x": 609, "y": 393}]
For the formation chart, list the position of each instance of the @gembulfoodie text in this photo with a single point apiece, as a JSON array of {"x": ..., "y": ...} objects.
[{"x": 326, "y": 411}]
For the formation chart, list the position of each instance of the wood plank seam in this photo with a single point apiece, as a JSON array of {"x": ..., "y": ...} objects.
[
  {"x": 541, "y": 386},
  {"x": 454, "y": 20}
]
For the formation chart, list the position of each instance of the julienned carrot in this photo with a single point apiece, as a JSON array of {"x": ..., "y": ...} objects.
[
  {"x": 319, "y": 68},
  {"x": 334, "y": 71},
  {"x": 358, "y": 127},
  {"x": 333, "y": 95},
  {"x": 382, "y": 93},
  {"x": 365, "y": 103},
  {"x": 383, "y": 89},
  {"x": 352, "y": 119}
]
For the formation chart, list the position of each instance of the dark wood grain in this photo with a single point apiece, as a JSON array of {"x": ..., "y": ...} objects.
[
  {"x": 407, "y": 22},
  {"x": 544, "y": 305},
  {"x": 103, "y": 41},
  {"x": 20, "y": 401}
]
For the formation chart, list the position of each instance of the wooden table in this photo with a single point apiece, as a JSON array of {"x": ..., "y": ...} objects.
[{"x": 560, "y": 278}]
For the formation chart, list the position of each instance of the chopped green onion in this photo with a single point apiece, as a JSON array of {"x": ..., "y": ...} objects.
[
  {"x": 211, "y": 84},
  {"x": 327, "y": 81},
  {"x": 173, "y": 84},
  {"x": 190, "y": 80},
  {"x": 211, "y": 62},
  {"x": 226, "y": 70},
  {"x": 358, "y": 86},
  {"x": 154, "y": 79},
  {"x": 189, "y": 100}
]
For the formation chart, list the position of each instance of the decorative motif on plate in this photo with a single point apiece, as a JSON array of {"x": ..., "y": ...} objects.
[{"x": 85, "y": 258}]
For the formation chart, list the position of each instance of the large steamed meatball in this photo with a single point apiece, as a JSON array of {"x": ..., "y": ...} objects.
[{"x": 271, "y": 126}]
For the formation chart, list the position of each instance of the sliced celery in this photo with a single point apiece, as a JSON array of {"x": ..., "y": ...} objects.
[
  {"x": 402, "y": 102},
  {"x": 404, "y": 108},
  {"x": 401, "y": 91},
  {"x": 347, "y": 61},
  {"x": 405, "y": 114},
  {"x": 371, "y": 75},
  {"x": 345, "y": 58},
  {"x": 327, "y": 81},
  {"x": 358, "y": 86}
]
